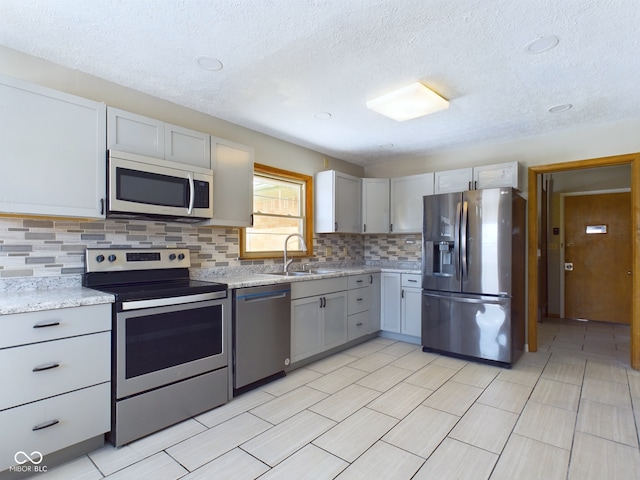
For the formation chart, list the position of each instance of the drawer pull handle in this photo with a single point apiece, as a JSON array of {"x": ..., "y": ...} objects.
[
  {"x": 359, "y": 281},
  {"x": 46, "y": 324},
  {"x": 414, "y": 281},
  {"x": 48, "y": 366},
  {"x": 359, "y": 324},
  {"x": 44, "y": 425},
  {"x": 358, "y": 299}
]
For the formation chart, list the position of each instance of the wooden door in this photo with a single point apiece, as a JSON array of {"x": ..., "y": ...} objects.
[{"x": 598, "y": 287}]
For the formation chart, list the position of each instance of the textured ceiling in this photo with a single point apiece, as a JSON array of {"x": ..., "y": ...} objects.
[{"x": 286, "y": 61}]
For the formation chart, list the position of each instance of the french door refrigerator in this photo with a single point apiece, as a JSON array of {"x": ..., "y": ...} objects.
[{"x": 473, "y": 274}]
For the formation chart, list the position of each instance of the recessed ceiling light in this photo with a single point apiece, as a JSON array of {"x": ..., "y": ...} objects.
[
  {"x": 386, "y": 146},
  {"x": 409, "y": 102},
  {"x": 541, "y": 44},
  {"x": 209, "y": 63},
  {"x": 322, "y": 116},
  {"x": 563, "y": 107}
]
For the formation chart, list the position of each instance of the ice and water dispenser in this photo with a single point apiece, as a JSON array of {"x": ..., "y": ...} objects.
[{"x": 439, "y": 258}]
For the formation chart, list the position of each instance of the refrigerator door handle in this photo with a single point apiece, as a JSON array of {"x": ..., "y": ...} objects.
[
  {"x": 463, "y": 240},
  {"x": 483, "y": 300},
  {"x": 456, "y": 243}
]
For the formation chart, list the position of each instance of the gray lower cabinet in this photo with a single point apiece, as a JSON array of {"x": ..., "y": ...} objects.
[
  {"x": 55, "y": 368},
  {"x": 318, "y": 316}
]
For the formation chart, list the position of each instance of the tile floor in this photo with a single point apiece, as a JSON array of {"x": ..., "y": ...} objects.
[{"x": 386, "y": 410}]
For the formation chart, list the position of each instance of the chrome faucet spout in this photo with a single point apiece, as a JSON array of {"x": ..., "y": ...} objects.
[{"x": 284, "y": 252}]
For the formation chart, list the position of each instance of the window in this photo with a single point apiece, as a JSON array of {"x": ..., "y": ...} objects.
[{"x": 281, "y": 206}]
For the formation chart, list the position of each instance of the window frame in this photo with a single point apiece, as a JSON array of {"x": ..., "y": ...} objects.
[{"x": 307, "y": 180}]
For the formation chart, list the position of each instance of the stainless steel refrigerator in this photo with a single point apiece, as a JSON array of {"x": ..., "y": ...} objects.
[{"x": 473, "y": 274}]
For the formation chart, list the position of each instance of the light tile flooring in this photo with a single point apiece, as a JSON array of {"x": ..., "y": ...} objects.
[{"x": 386, "y": 410}]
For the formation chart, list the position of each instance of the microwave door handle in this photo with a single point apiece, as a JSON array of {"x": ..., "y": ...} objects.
[{"x": 191, "y": 193}]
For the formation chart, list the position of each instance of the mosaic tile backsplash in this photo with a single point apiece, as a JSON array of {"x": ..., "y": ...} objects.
[{"x": 52, "y": 247}]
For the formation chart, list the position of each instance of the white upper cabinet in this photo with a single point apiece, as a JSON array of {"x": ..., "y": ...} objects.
[
  {"x": 498, "y": 175},
  {"x": 187, "y": 146},
  {"x": 476, "y": 178},
  {"x": 52, "y": 149},
  {"x": 375, "y": 205},
  {"x": 406, "y": 202},
  {"x": 337, "y": 202},
  {"x": 133, "y": 133},
  {"x": 129, "y": 132},
  {"x": 451, "y": 181},
  {"x": 232, "y": 166}
]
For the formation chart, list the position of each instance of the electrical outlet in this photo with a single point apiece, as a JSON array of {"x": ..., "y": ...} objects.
[
  {"x": 344, "y": 251},
  {"x": 328, "y": 251}
]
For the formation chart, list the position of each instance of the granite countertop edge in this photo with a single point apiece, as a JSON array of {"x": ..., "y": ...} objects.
[{"x": 71, "y": 294}]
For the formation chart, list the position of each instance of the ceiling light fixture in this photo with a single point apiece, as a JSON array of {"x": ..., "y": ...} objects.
[
  {"x": 563, "y": 107},
  {"x": 322, "y": 116},
  {"x": 209, "y": 63},
  {"x": 541, "y": 44},
  {"x": 412, "y": 101}
]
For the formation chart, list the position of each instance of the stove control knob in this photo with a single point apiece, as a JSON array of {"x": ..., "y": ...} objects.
[
  {"x": 172, "y": 256},
  {"x": 181, "y": 256},
  {"x": 112, "y": 258},
  {"x": 100, "y": 258}
]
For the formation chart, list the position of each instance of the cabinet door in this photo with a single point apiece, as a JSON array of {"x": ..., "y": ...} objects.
[
  {"x": 232, "y": 166},
  {"x": 187, "y": 146},
  {"x": 52, "y": 150},
  {"x": 390, "y": 302},
  {"x": 334, "y": 313},
  {"x": 306, "y": 333},
  {"x": 498, "y": 175},
  {"x": 406, "y": 202},
  {"x": 452, "y": 181},
  {"x": 129, "y": 132},
  {"x": 375, "y": 205},
  {"x": 412, "y": 311},
  {"x": 337, "y": 202},
  {"x": 374, "y": 307}
]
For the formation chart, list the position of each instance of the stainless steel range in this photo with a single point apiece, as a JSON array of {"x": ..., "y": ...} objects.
[{"x": 171, "y": 345}]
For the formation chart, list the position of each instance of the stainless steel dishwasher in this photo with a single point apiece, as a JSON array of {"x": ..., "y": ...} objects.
[{"x": 261, "y": 334}]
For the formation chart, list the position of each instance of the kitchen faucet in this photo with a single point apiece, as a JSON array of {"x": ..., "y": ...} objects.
[{"x": 286, "y": 240}]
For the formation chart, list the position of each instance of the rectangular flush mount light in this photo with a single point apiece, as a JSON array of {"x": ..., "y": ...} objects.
[{"x": 409, "y": 102}]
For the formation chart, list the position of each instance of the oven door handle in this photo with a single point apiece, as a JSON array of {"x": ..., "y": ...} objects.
[{"x": 169, "y": 301}]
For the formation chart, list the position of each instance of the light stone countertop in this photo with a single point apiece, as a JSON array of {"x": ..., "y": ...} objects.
[
  {"x": 50, "y": 299},
  {"x": 25, "y": 297}
]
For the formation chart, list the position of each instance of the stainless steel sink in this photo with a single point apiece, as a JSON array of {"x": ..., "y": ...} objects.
[
  {"x": 302, "y": 273},
  {"x": 319, "y": 271}
]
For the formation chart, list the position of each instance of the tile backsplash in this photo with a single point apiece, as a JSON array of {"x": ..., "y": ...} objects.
[{"x": 32, "y": 247}]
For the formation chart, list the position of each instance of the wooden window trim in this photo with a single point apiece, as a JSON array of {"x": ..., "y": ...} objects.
[{"x": 308, "y": 237}]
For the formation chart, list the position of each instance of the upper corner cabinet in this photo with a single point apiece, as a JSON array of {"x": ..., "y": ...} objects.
[
  {"x": 133, "y": 133},
  {"x": 337, "y": 205},
  {"x": 52, "y": 146},
  {"x": 232, "y": 165},
  {"x": 406, "y": 202},
  {"x": 507, "y": 174}
]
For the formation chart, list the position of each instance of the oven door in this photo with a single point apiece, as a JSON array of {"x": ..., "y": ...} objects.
[
  {"x": 162, "y": 345},
  {"x": 141, "y": 186}
]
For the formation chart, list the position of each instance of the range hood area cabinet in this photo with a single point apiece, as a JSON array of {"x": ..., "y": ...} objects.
[
  {"x": 133, "y": 133},
  {"x": 508, "y": 174},
  {"x": 337, "y": 205},
  {"x": 52, "y": 147}
]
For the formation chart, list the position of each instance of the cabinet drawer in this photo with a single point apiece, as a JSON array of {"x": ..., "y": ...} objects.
[
  {"x": 412, "y": 280},
  {"x": 80, "y": 415},
  {"x": 82, "y": 361},
  {"x": 359, "y": 281},
  {"x": 32, "y": 327},
  {"x": 357, "y": 325},
  {"x": 358, "y": 300}
]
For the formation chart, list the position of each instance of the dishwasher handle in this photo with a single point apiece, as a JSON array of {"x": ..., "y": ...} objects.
[{"x": 259, "y": 297}]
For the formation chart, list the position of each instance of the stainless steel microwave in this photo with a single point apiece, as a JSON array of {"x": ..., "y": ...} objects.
[{"x": 149, "y": 188}]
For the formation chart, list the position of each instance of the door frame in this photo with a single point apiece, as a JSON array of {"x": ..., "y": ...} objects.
[
  {"x": 535, "y": 175},
  {"x": 563, "y": 229}
]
